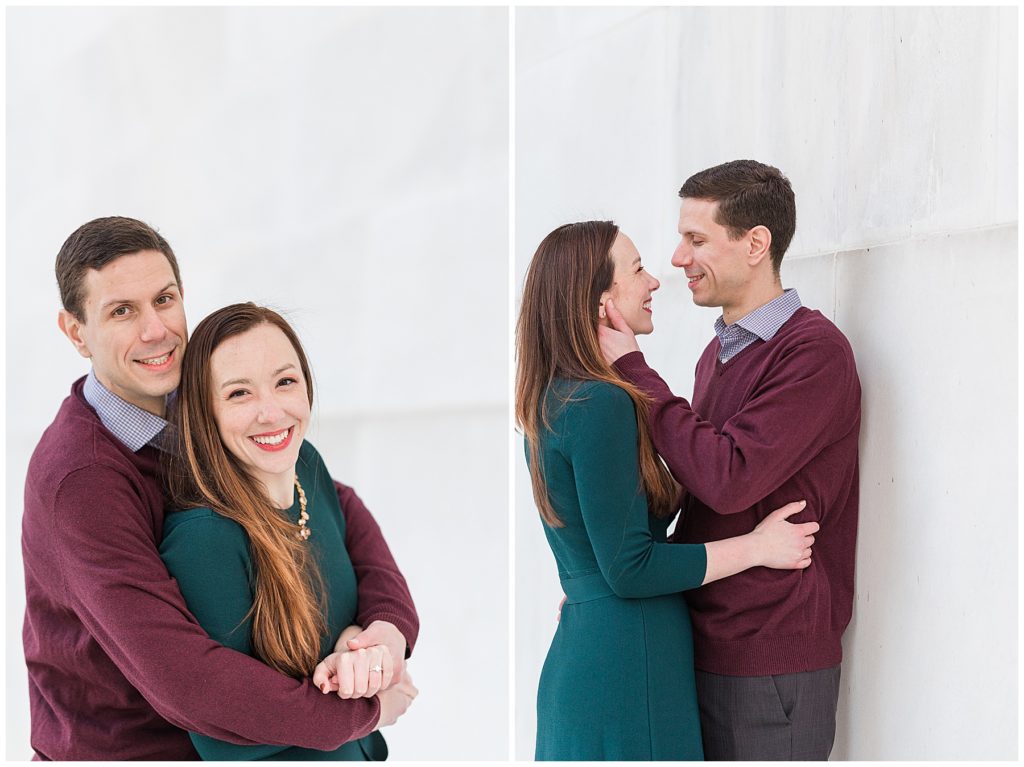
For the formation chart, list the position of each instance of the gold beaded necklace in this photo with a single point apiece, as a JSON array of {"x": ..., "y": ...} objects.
[{"x": 303, "y": 532}]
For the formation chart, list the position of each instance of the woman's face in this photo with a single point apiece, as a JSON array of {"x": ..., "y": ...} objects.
[
  {"x": 260, "y": 403},
  {"x": 631, "y": 287}
]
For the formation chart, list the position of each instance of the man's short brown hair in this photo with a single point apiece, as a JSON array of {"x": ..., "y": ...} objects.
[
  {"x": 96, "y": 244},
  {"x": 749, "y": 194}
]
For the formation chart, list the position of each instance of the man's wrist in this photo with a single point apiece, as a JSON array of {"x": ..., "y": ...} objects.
[{"x": 629, "y": 362}]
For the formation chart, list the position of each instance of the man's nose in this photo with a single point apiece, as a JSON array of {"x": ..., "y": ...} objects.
[
  {"x": 682, "y": 257},
  {"x": 153, "y": 328}
]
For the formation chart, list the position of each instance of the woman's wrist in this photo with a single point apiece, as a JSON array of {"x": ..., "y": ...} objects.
[
  {"x": 349, "y": 632},
  {"x": 755, "y": 554}
]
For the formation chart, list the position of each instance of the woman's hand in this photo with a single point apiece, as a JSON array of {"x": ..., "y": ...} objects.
[
  {"x": 396, "y": 700},
  {"x": 355, "y": 673},
  {"x": 783, "y": 545}
]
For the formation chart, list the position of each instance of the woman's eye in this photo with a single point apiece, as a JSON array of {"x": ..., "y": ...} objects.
[
  {"x": 236, "y": 393},
  {"x": 286, "y": 381}
]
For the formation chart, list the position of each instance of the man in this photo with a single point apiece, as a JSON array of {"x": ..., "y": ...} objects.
[
  {"x": 775, "y": 418},
  {"x": 116, "y": 662}
]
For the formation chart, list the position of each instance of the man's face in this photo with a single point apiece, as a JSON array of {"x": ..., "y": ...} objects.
[
  {"x": 716, "y": 267},
  {"x": 134, "y": 330}
]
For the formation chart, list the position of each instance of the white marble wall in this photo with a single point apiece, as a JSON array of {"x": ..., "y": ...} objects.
[
  {"x": 348, "y": 165},
  {"x": 897, "y": 128}
]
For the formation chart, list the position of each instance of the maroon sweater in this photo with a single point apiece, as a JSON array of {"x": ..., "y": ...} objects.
[
  {"x": 778, "y": 422},
  {"x": 116, "y": 663}
]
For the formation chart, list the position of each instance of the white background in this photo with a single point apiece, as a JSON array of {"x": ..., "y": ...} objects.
[
  {"x": 897, "y": 129},
  {"x": 348, "y": 166}
]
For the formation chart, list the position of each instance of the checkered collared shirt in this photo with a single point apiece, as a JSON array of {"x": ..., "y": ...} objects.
[
  {"x": 764, "y": 322},
  {"x": 132, "y": 425}
]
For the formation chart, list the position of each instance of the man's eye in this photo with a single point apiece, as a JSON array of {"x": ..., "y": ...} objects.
[
  {"x": 163, "y": 299},
  {"x": 120, "y": 311}
]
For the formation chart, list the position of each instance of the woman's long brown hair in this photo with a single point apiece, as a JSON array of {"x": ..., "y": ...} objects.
[
  {"x": 556, "y": 337},
  {"x": 287, "y": 614}
]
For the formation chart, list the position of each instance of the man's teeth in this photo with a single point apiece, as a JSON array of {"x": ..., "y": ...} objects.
[
  {"x": 277, "y": 439},
  {"x": 156, "y": 360},
  {"x": 647, "y": 304}
]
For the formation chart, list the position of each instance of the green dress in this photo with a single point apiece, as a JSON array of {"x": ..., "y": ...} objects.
[
  {"x": 209, "y": 556},
  {"x": 618, "y": 681}
]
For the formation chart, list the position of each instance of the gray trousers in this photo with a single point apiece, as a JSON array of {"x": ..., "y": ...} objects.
[{"x": 768, "y": 718}]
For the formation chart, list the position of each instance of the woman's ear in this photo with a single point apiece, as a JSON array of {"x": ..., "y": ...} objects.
[{"x": 601, "y": 314}]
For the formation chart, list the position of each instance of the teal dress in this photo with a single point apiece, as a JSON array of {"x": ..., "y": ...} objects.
[
  {"x": 209, "y": 556},
  {"x": 618, "y": 681}
]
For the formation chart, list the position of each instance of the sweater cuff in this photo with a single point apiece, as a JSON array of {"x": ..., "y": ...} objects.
[
  {"x": 631, "y": 366},
  {"x": 407, "y": 628}
]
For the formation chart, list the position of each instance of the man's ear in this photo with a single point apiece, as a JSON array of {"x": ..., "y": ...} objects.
[
  {"x": 71, "y": 326},
  {"x": 760, "y": 245}
]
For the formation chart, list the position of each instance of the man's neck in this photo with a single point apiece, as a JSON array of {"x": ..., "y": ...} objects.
[
  {"x": 753, "y": 300},
  {"x": 155, "y": 405}
]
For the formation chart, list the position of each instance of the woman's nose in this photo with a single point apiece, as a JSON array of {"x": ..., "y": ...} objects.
[{"x": 269, "y": 411}]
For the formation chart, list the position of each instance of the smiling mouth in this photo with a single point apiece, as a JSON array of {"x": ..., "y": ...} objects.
[
  {"x": 273, "y": 441},
  {"x": 694, "y": 279},
  {"x": 157, "y": 362},
  {"x": 646, "y": 305}
]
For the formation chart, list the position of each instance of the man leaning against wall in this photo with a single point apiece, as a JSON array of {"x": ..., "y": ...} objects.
[{"x": 775, "y": 417}]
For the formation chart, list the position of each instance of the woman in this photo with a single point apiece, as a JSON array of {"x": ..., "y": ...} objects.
[
  {"x": 618, "y": 682},
  {"x": 259, "y": 549}
]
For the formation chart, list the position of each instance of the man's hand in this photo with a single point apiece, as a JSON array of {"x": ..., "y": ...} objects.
[
  {"x": 617, "y": 340},
  {"x": 382, "y": 633},
  {"x": 396, "y": 701}
]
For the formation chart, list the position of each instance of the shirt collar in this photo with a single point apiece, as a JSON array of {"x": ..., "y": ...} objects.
[
  {"x": 765, "y": 321},
  {"x": 132, "y": 425}
]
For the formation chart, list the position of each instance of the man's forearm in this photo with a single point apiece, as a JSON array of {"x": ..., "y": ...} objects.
[{"x": 757, "y": 449}]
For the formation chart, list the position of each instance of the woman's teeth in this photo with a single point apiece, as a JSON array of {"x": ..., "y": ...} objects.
[{"x": 277, "y": 439}]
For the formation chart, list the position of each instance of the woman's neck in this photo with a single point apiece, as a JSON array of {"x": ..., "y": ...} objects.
[{"x": 280, "y": 488}]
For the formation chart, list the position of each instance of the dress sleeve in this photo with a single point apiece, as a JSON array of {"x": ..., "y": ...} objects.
[
  {"x": 120, "y": 589},
  {"x": 601, "y": 445},
  {"x": 382, "y": 591}
]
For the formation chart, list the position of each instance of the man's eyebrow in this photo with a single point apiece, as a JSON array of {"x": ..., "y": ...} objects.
[{"x": 164, "y": 289}]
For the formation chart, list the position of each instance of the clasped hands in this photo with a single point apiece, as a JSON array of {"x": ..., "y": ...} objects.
[{"x": 364, "y": 662}]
